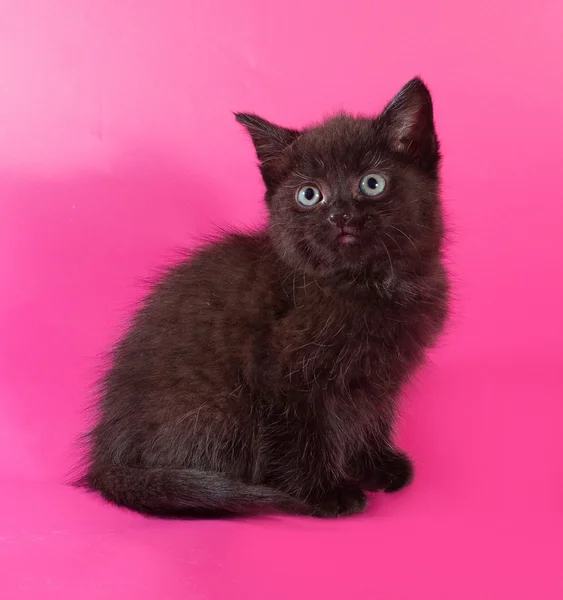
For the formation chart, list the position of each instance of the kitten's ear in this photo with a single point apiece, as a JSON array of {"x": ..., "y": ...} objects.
[
  {"x": 270, "y": 142},
  {"x": 409, "y": 124}
]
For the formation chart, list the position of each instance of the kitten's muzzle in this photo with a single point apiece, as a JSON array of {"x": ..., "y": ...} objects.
[
  {"x": 348, "y": 234},
  {"x": 349, "y": 229}
]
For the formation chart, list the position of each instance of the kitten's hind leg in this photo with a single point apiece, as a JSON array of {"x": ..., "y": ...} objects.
[{"x": 389, "y": 471}]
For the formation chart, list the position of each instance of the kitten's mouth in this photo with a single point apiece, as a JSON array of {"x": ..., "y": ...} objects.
[{"x": 348, "y": 235}]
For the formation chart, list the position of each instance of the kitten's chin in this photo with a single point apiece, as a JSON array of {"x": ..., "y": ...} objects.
[
  {"x": 347, "y": 239},
  {"x": 343, "y": 253}
]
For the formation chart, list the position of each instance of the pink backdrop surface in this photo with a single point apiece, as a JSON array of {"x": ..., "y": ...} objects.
[{"x": 117, "y": 145}]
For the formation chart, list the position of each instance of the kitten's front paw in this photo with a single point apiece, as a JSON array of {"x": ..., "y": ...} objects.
[
  {"x": 341, "y": 502},
  {"x": 394, "y": 472}
]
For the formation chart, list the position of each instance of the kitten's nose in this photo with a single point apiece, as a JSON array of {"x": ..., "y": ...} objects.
[{"x": 339, "y": 219}]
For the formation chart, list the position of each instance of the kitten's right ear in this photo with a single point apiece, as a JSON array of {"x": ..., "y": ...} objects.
[{"x": 270, "y": 141}]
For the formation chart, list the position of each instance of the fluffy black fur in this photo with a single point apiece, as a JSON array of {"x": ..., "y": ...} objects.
[{"x": 264, "y": 371}]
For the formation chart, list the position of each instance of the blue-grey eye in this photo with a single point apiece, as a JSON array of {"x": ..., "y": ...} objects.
[
  {"x": 309, "y": 195},
  {"x": 372, "y": 184}
]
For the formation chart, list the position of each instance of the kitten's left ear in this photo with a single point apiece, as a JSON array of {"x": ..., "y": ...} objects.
[
  {"x": 409, "y": 124},
  {"x": 270, "y": 141}
]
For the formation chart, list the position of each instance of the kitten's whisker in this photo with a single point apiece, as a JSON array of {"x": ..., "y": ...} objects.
[
  {"x": 408, "y": 238},
  {"x": 396, "y": 243},
  {"x": 390, "y": 261}
]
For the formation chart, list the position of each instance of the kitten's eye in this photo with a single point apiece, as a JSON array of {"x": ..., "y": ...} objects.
[
  {"x": 309, "y": 195},
  {"x": 372, "y": 184}
]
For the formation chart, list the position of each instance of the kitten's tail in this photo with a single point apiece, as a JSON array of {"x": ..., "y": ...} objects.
[{"x": 186, "y": 492}]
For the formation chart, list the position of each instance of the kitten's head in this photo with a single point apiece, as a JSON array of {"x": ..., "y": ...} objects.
[{"x": 354, "y": 194}]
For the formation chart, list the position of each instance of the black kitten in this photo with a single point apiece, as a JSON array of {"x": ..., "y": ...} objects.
[{"x": 264, "y": 371}]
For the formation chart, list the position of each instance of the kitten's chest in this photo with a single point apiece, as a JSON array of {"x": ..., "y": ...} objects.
[{"x": 340, "y": 340}]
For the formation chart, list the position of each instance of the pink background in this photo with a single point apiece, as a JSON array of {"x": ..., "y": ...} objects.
[{"x": 117, "y": 145}]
